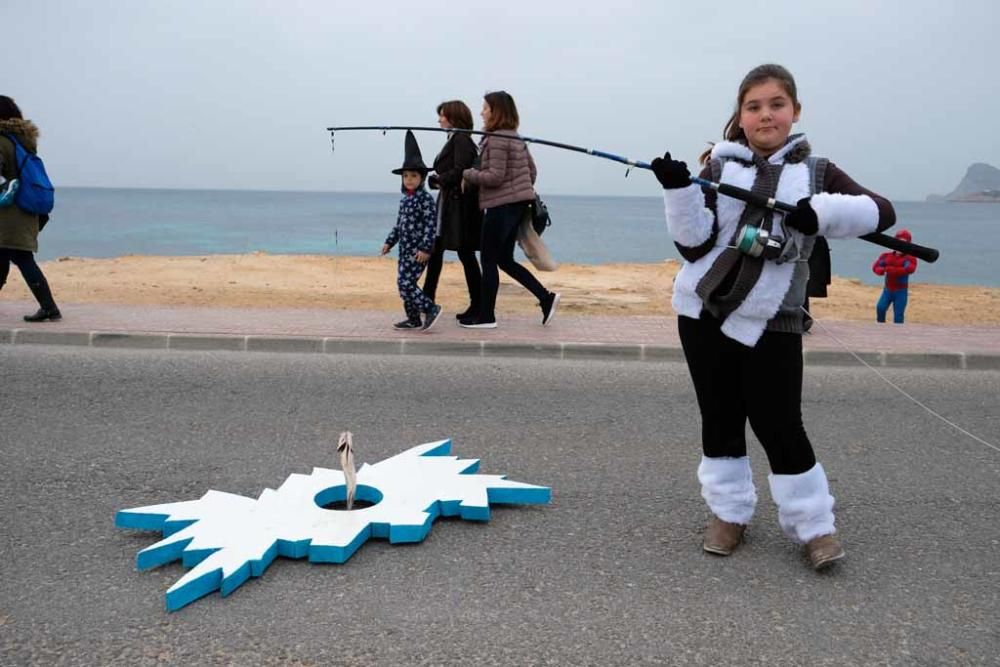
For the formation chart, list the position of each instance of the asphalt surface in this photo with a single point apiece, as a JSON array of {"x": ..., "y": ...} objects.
[{"x": 610, "y": 573}]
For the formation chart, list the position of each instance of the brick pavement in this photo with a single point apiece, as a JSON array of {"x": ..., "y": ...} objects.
[{"x": 318, "y": 330}]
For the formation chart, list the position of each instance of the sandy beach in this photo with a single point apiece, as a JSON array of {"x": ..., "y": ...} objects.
[{"x": 369, "y": 283}]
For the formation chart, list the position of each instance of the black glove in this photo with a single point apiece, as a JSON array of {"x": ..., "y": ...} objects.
[
  {"x": 671, "y": 173},
  {"x": 803, "y": 218},
  {"x": 434, "y": 182}
]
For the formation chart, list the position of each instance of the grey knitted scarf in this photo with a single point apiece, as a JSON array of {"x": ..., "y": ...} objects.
[{"x": 749, "y": 268}]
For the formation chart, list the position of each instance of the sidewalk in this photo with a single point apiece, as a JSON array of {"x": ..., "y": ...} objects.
[{"x": 638, "y": 338}]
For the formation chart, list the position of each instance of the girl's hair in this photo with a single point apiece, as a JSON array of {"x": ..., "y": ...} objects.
[
  {"x": 503, "y": 111},
  {"x": 8, "y": 108},
  {"x": 457, "y": 114},
  {"x": 756, "y": 76}
]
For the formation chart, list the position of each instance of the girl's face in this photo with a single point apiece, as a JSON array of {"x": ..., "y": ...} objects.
[
  {"x": 444, "y": 122},
  {"x": 486, "y": 114},
  {"x": 411, "y": 179},
  {"x": 767, "y": 114}
]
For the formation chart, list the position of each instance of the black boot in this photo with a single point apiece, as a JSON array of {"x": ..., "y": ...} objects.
[{"x": 48, "y": 310}]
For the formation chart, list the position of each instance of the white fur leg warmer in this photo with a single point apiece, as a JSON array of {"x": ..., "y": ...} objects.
[
  {"x": 805, "y": 506},
  {"x": 727, "y": 487}
]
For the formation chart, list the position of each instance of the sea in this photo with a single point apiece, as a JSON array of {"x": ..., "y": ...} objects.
[{"x": 103, "y": 222}]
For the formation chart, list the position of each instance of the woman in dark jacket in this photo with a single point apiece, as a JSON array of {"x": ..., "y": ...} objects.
[
  {"x": 19, "y": 229},
  {"x": 459, "y": 217}
]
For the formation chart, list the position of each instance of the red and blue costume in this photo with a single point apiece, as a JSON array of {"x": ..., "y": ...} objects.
[{"x": 896, "y": 267}]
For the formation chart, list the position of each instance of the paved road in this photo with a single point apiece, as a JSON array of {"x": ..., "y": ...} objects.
[{"x": 610, "y": 573}]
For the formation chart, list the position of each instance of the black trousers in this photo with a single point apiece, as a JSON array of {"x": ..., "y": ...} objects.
[
  {"x": 470, "y": 266},
  {"x": 25, "y": 261},
  {"x": 735, "y": 383},
  {"x": 499, "y": 235}
]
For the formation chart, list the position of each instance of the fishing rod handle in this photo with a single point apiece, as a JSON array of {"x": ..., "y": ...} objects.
[
  {"x": 925, "y": 253},
  {"x": 745, "y": 195},
  {"x": 929, "y": 255}
]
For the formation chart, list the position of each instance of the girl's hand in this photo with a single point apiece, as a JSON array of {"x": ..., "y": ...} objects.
[
  {"x": 672, "y": 174},
  {"x": 421, "y": 257},
  {"x": 803, "y": 218},
  {"x": 385, "y": 248}
]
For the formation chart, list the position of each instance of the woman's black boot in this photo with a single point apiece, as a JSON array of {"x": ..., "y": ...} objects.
[{"x": 48, "y": 310}]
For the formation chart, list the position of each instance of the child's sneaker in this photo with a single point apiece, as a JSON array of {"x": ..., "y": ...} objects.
[
  {"x": 432, "y": 317},
  {"x": 407, "y": 324}
]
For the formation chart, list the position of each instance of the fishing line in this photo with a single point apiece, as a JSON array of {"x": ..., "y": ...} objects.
[
  {"x": 925, "y": 253},
  {"x": 897, "y": 387}
]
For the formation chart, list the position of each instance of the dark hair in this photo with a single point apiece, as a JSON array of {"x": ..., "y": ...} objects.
[
  {"x": 503, "y": 111},
  {"x": 457, "y": 114},
  {"x": 8, "y": 108},
  {"x": 756, "y": 76},
  {"x": 420, "y": 185}
]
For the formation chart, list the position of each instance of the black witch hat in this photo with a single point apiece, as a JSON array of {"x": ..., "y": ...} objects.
[{"x": 412, "y": 160}]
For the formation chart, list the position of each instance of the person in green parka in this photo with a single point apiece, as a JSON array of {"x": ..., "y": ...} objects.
[{"x": 19, "y": 229}]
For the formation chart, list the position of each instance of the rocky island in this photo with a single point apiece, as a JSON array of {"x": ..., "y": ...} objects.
[{"x": 980, "y": 184}]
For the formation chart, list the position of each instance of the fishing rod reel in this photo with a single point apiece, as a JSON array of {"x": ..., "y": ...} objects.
[{"x": 758, "y": 242}]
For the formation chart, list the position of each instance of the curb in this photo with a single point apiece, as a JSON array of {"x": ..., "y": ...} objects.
[{"x": 559, "y": 351}]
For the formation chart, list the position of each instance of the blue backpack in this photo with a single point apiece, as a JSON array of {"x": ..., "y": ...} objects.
[{"x": 35, "y": 193}]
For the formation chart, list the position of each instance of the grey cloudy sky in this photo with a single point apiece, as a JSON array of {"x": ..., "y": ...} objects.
[{"x": 227, "y": 94}]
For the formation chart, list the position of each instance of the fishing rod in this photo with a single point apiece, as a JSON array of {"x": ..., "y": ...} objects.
[
  {"x": 925, "y": 253},
  {"x": 527, "y": 140}
]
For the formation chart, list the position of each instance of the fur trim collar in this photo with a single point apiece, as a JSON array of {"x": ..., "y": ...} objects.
[
  {"x": 732, "y": 150},
  {"x": 796, "y": 149},
  {"x": 25, "y": 130}
]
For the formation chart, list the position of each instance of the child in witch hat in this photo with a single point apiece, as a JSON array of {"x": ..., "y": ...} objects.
[{"x": 416, "y": 227}]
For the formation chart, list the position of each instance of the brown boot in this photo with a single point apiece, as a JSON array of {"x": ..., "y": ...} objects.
[
  {"x": 722, "y": 537},
  {"x": 824, "y": 551}
]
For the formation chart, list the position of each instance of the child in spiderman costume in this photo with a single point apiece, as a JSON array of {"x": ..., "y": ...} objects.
[{"x": 896, "y": 267}]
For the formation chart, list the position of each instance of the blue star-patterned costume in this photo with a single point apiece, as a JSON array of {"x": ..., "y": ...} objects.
[{"x": 416, "y": 227}]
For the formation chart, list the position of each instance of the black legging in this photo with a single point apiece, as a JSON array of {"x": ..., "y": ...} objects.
[
  {"x": 499, "y": 234},
  {"x": 25, "y": 261},
  {"x": 735, "y": 383},
  {"x": 469, "y": 265}
]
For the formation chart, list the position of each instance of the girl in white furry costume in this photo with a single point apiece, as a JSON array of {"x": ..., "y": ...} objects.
[{"x": 740, "y": 314}]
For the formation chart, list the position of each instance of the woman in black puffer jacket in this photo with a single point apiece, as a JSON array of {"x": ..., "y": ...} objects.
[{"x": 459, "y": 218}]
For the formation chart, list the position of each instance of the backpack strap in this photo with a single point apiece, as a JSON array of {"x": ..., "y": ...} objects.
[
  {"x": 817, "y": 172},
  {"x": 14, "y": 166},
  {"x": 19, "y": 151},
  {"x": 715, "y": 164}
]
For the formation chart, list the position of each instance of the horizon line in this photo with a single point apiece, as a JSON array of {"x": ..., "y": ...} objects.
[{"x": 381, "y": 192}]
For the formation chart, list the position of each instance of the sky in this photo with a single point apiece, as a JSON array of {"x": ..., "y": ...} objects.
[{"x": 213, "y": 94}]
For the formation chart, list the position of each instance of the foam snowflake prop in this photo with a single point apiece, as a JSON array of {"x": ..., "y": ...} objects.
[{"x": 226, "y": 538}]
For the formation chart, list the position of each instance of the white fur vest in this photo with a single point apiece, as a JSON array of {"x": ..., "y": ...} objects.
[{"x": 690, "y": 224}]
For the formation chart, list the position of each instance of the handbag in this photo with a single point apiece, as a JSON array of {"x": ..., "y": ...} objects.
[{"x": 540, "y": 218}]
